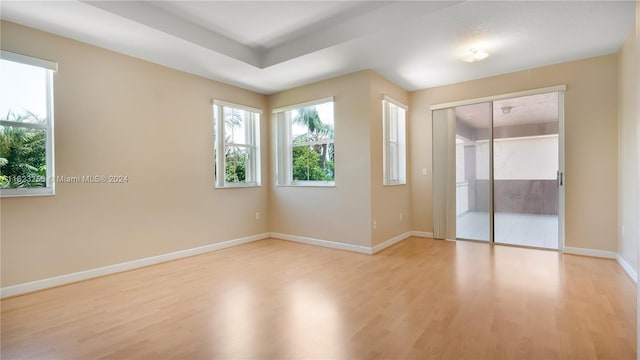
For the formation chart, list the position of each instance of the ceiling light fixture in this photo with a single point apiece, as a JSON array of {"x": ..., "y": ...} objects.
[
  {"x": 475, "y": 55},
  {"x": 506, "y": 109}
]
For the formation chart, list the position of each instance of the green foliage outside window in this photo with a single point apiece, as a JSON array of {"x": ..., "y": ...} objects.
[
  {"x": 313, "y": 162},
  {"x": 306, "y": 165},
  {"x": 235, "y": 166},
  {"x": 22, "y": 153},
  {"x": 235, "y": 159}
]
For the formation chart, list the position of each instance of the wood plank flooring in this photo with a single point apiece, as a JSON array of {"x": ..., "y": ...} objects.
[{"x": 272, "y": 299}]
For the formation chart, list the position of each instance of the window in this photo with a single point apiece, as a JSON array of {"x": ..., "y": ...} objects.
[
  {"x": 26, "y": 125},
  {"x": 395, "y": 146},
  {"x": 237, "y": 149},
  {"x": 305, "y": 147}
]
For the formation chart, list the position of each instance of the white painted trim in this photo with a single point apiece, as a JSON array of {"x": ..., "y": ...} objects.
[
  {"x": 324, "y": 243},
  {"x": 627, "y": 267},
  {"x": 116, "y": 268},
  {"x": 590, "y": 252},
  {"x": 304, "y": 104},
  {"x": 561, "y": 168},
  {"x": 423, "y": 234},
  {"x": 395, "y": 102},
  {"x": 394, "y": 240},
  {"x": 237, "y": 106},
  {"x": 310, "y": 183},
  {"x": 28, "y": 60},
  {"x": 15, "y": 192},
  {"x": 557, "y": 88}
]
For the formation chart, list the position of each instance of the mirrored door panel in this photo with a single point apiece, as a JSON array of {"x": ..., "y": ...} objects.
[
  {"x": 498, "y": 170},
  {"x": 525, "y": 168}
]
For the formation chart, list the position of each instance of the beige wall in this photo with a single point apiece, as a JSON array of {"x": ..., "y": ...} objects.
[
  {"x": 387, "y": 202},
  {"x": 346, "y": 213},
  {"x": 590, "y": 143},
  {"x": 420, "y": 134},
  {"x": 339, "y": 213},
  {"x": 628, "y": 151},
  {"x": 116, "y": 115},
  {"x": 119, "y": 115}
]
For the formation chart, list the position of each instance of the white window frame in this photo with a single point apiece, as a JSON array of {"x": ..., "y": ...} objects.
[
  {"x": 284, "y": 147},
  {"x": 252, "y": 144},
  {"x": 394, "y": 163},
  {"x": 47, "y": 126}
]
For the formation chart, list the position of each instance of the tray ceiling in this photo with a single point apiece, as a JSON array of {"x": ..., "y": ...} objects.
[{"x": 269, "y": 46}]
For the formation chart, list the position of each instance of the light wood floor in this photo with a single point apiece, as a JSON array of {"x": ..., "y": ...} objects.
[{"x": 272, "y": 299}]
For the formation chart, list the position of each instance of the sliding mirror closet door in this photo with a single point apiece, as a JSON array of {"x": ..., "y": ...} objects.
[
  {"x": 498, "y": 169},
  {"x": 525, "y": 167},
  {"x": 473, "y": 175}
]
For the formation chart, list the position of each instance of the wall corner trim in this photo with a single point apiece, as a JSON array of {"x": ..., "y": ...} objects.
[
  {"x": 627, "y": 267},
  {"x": 32, "y": 286},
  {"x": 590, "y": 252},
  {"x": 324, "y": 243},
  {"x": 423, "y": 234},
  {"x": 394, "y": 240}
]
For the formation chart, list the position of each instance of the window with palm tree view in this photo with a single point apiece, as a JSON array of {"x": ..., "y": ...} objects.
[
  {"x": 305, "y": 144},
  {"x": 237, "y": 149},
  {"x": 26, "y": 135}
]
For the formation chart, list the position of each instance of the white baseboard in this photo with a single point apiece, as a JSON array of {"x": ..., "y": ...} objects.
[
  {"x": 590, "y": 252},
  {"x": 342, "y": 246},
  {"x": 323, "y": 243},
  {"x": 423, "y": 234},
  {"x": 627, "y": 267},
  {"x": 394, "y": 240},
  {"x": 129, "y": 265}
]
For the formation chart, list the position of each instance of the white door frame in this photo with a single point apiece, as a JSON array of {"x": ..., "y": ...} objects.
[{"x": 560, "y": 89}]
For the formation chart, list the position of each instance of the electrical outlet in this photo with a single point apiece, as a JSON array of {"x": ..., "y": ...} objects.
[
  {"x": 424, "y": 171},
  {"x": 400, "y": 216},
  {"x": 258, "y": 215},
  {"x": 375, "y": 224}
]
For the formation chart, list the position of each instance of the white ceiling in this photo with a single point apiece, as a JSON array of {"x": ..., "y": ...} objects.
[
  {"x": 531, "y": 109},
  {"x": 269, "y": 46}
]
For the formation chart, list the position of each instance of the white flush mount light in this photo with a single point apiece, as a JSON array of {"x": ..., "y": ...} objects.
[{"x": 475, "y": 55}]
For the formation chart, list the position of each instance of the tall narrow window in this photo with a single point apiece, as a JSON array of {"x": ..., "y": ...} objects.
[
  {"x": 305, "y": 144},
  {"x": 237, "y": 145},
  {"x": 26, "y": 125},
  {"x": 395, "y": 147}
]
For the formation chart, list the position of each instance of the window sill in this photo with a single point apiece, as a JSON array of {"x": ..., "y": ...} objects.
[
  {"x": 236, "y": 186},
  {"x": 26, "y": 192},
  {"x": 394, "y": 184},
  {"x": 326, "y": 184}
]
